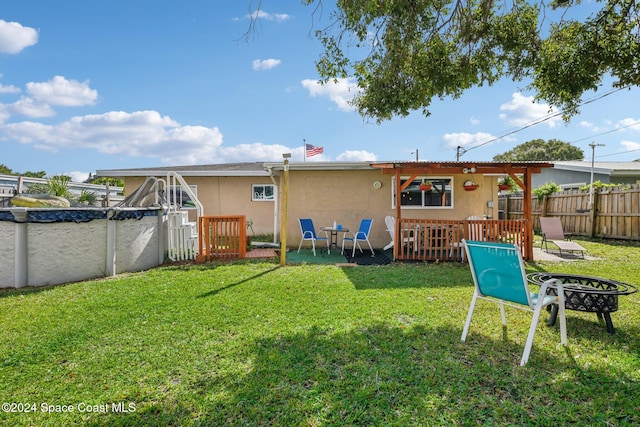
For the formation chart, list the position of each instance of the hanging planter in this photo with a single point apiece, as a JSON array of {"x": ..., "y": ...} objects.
[
  {"x": 470, "y": 186},
  {"x": 426, "y": 185},
  {"x": 505, "y": 183}
]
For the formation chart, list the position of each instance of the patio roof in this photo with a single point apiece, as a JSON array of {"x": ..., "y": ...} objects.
[{"x": 520, "y": 172}]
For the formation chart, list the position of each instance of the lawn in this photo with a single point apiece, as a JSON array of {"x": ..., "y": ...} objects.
[{"x": 311, "y": 345}]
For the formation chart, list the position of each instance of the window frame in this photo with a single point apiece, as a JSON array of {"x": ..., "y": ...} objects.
[
  {"x": 264, "y": 198},
  {"x": 422, "y": 206}
]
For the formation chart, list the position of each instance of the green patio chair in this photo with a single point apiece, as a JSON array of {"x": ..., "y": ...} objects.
[{"x": 499, "y": 276}]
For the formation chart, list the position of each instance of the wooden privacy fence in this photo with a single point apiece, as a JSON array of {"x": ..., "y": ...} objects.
[
  {"x": 431, "y": 240},
  {"x": 615, "y": 211},
  {"x": 222, "y": 237}
]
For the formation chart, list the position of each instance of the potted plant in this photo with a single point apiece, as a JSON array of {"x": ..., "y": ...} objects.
[
  {"x": 470, "y": 186},
  {"x": 250, "y": 226},
  {"x": 426, "y": 185},
  {"x": 505, "y": 183}
]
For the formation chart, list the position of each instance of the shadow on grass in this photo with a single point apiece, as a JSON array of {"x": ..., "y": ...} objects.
[
  {"x": 231, "y": 285},
  {"x": 404, "y": 276},
  {"x": 388, "y": 375}
]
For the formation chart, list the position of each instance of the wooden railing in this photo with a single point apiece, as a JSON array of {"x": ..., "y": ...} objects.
[
  {"x": 222, "y": 237},
  {"x": 441, "y": 240}
]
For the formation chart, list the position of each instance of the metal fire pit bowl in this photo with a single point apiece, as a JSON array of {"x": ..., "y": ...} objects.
[{"x": 585, "y": 293}]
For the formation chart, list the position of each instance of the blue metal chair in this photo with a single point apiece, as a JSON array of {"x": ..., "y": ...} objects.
[
  {"x": 309, "y": 233},
  {"x": 499, "y": 276},
  {"x": 362, "y": 235}
]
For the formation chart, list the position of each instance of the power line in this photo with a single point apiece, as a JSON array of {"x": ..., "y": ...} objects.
[
  {"x": 536, "y": 122},
  {"x": 604, "y": 133}
]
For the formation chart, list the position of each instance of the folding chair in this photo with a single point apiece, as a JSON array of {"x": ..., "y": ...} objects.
[
  {"x": 309, "y": 233},
  {"x": 362, "y": 235},
  {"x": 499, "y": 276}
]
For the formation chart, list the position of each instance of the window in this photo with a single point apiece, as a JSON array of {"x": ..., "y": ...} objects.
[
  {"x": 182, "y": 198},
  {"x": 262, "y": 192},
  {"x": 439, "y": 197}
]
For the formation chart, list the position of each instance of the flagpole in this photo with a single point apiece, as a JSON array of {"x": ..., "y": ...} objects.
[{"x": 304, "y": 150}]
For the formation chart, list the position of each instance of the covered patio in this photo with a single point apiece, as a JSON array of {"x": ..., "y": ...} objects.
[{"x": 440, "y": 239}]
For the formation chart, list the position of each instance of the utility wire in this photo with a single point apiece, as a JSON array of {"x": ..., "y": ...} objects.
[{"x": 538, "y": 121}]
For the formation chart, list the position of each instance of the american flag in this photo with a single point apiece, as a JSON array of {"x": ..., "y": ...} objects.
[{"x": 312, "y": 150}]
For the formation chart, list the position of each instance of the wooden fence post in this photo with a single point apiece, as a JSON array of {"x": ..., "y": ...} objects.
[{"x": 592, "y": 213}]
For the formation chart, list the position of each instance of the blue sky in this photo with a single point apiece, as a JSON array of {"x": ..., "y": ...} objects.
[{"x": 127, "y": 84}]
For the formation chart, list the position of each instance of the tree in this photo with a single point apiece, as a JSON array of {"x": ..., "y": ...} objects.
[
  {"x": 540, "y": 150},
  {"x": 403, "y": 53}
]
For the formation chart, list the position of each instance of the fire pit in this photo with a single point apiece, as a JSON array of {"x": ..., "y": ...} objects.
[{"x": 584, "y": 293}]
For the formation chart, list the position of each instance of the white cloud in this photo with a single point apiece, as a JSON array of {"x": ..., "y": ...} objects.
[
  {"x": 356, "y": 156},
  {"x": 633, "y": 124},
  {"x": 630, "y": 145},
  {"x": 474, "y": 121},
  {"x": 77, "y": 176},
  {"x": 265, "y": 64},
  {"x": 341, "y": 92},
  {"x": 253, "y": 152},
  {"x": 31, "y": 108},
  {"x": 14, "y": 37},
  {"x": 9, "y": 89},
  {"x": 63, "y": 92},
  {"x": 522, "y": 110},
  {"x": 277, "y": 17},
  {"x": 138, "y": 134},
  {"x": 463, "y": 139}
]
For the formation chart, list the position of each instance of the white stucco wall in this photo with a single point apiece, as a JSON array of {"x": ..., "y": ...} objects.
[
  {"x": 137, "y": 244},
  {"x": 62, "y": 252},
  {"x": 7, "y": 259},
  {"x": 66, "y": 252}
]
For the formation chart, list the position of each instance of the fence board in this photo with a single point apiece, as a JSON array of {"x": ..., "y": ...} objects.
[{"x": 616, "y": 215}]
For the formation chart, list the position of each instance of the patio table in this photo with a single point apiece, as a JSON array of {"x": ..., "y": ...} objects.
[
  {"x": 333, "y": 234},
  {"x": 585, "y": 293}
]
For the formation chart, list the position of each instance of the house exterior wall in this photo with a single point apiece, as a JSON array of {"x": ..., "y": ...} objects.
[
  {"x": 227, "y": 196},
  {"x": 562, "y": 177},
  {"x": 348, "y": 196},
  {"x": 343, "y": 196}
]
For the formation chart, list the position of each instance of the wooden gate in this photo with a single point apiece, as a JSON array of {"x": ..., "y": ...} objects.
[{"x": 222, "y": 237}]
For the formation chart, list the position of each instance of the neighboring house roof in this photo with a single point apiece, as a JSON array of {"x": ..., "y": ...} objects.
[{"x": 604, "y": 168}]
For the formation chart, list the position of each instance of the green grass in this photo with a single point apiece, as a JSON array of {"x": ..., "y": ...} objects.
[{"x": 313, "y": 345}]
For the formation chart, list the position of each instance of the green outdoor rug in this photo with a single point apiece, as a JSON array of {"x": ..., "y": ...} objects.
[{"x": 322, "y": 257}]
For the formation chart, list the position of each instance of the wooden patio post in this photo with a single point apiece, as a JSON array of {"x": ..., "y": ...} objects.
[
  {"x": 527, "y": 211},
  {"x": 397, "y": 239},
  {"x": 285, "y": 199}
]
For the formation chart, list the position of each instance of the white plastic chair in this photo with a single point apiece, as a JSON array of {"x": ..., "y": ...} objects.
[
  {"x": 390, "y": 221},
  {"x": 499, "y": 276}
]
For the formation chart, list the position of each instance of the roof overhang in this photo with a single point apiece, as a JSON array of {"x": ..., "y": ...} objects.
[
  {"x": 121, "y": 173},
  {"x": 320, "y": 166},
  {"x": 440, "y": 168}
]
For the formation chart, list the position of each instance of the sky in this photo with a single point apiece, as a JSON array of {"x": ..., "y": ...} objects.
[{"x": 134, "y": 84}]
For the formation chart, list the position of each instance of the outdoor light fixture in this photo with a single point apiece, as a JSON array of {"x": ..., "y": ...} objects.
[{"x": 469, "y": 170}]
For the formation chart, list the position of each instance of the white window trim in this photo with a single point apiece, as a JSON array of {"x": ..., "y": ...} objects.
[
  {"x": 413, "y": 207},
  {"x": 253, "y": 193}
]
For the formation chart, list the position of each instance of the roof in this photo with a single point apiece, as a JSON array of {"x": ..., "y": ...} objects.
[
  {"x": 221, "y": 169},
  {"x": 606, "y": 168},
  {"x": 263, "y": 168}
]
